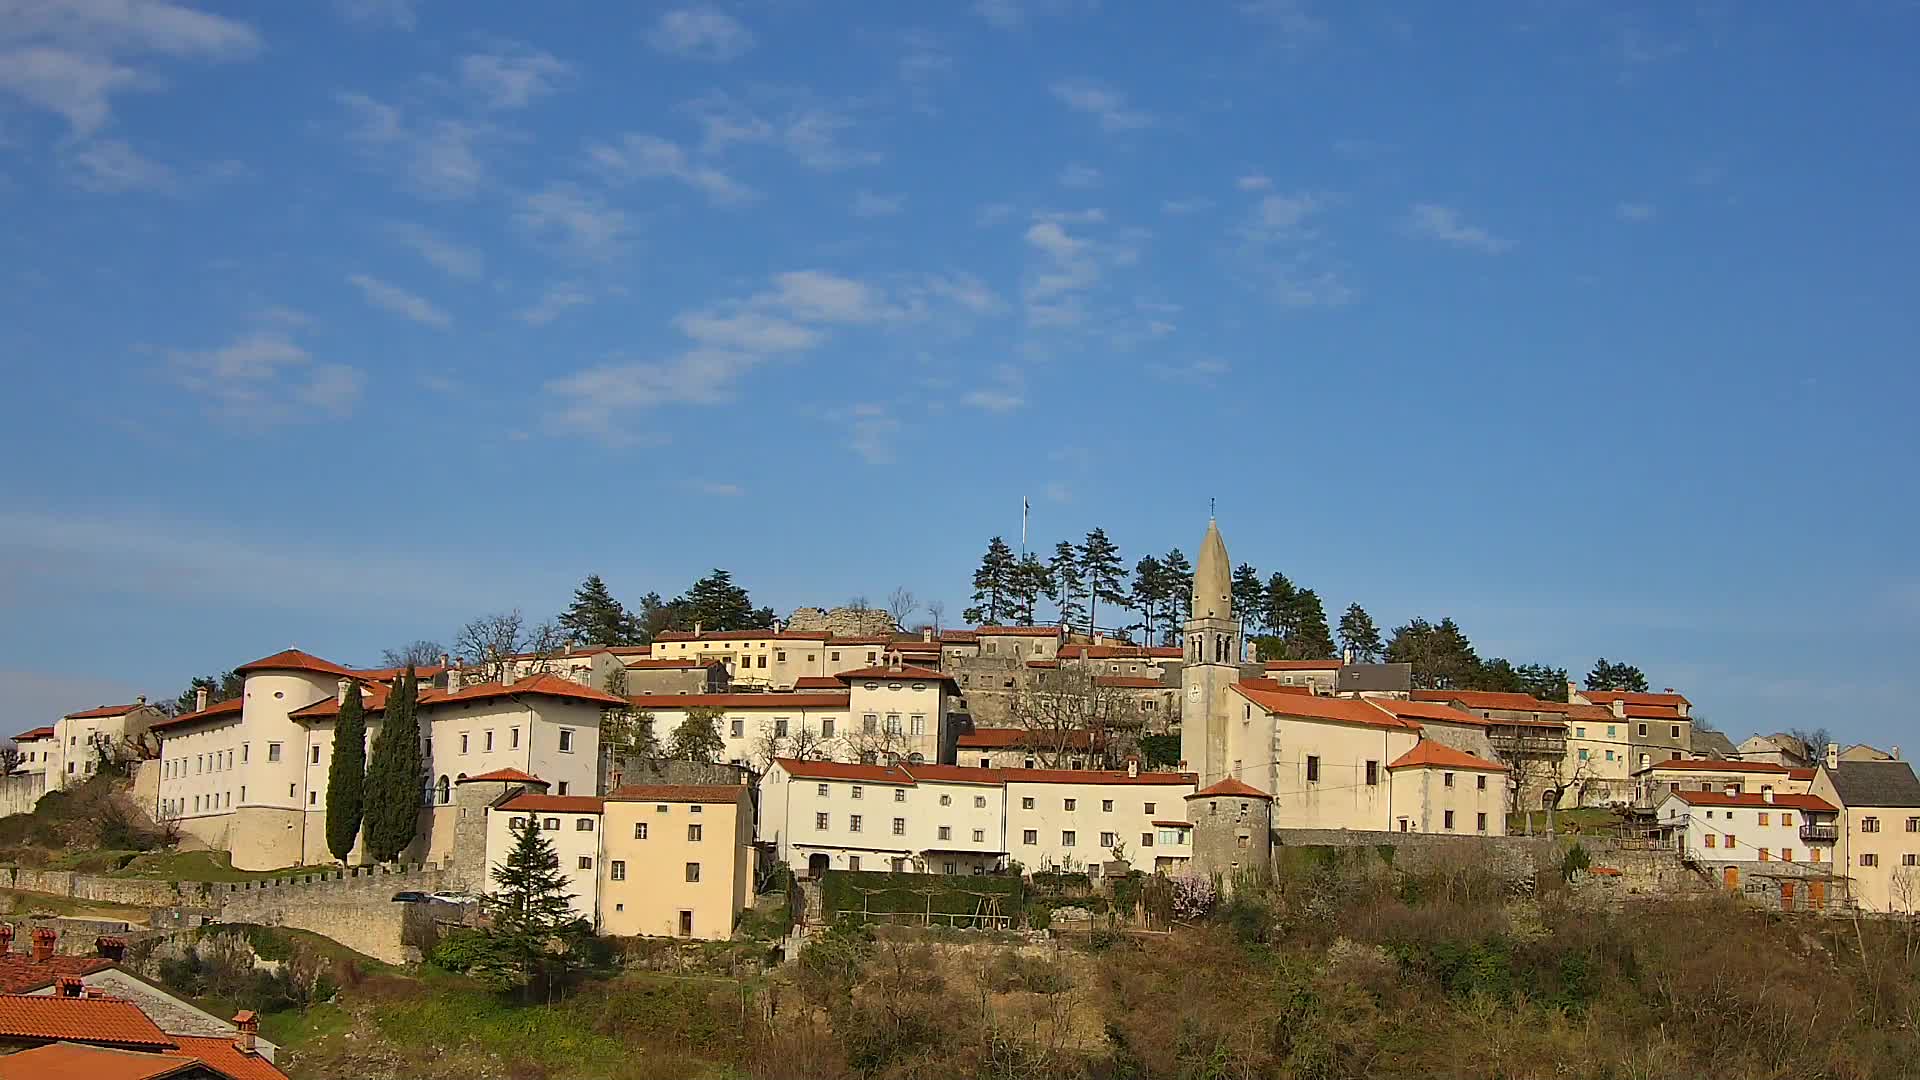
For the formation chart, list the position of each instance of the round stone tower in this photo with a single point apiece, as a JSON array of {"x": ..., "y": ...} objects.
[{"x": 1232, "y": 831}]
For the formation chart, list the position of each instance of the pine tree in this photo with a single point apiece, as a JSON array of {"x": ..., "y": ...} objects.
[
  {"x": 1179, "y": 585},
  {"x": 395, "y": 776},
  {"x": 716, "y": 603},
  {"x": 1276, "y": 610},
  {"x": 1068, "y": 588},
  {"x": 1544, "y": 681},
  {"x": 1310, "y": 639},
  {"x": 347, "y": 775},
  {"x": 1030, "y": 581},
  {"x": 596, "y": 618},
  {"x": 697, "y": 738},
  {"x": 1358, "y": 633},
  {"x": 1441, "y": 655},
  {"x": 1103, "y": 574},
  {"x": 1247, "y": 595},
  {"x": 1149, "y": 592},
  {"x": 1622, "y": 677},
  {"x": 992, "y": 583},
  {"x": 530, "y": 909}
]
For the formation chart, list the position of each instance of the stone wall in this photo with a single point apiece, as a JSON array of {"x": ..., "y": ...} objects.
[
  {"x": 355, "y": 910},
  {"x": 133, "y": 892},
  {"x": 1514, "y": 858},
  {"x": 842, "y": 622},
  {"x": 19, "y": 793}
]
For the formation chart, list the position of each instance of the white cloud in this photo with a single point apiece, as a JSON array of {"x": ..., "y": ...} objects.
[
  {"x": 1104, "y": 102},
  {"x": 556, "y": 301},
  {"x": 1069, "y": 267},
  {"x": 1004, "y": 392},
  {"x": 389, "y": 297},
  {"x": 1292, "y": 20},
  {"x": 455, "y": 259},
  {"x": 263, "y": 378},
  {"x": 1254, "y": 182},
  {"x": 592, "y": 402},
  {"x": 109, "y": 165},
  {"x": 1277, "y": 212},
  {"x": 808, "y": 130},
  {"x": 1077, "y": 175},
  {"x": 967, "y": 291},
  {"x": 747, "y": 331},
  {"x": 819, "y": 296},
  {"x": 1635, "y": 212},
  {"x": 1445, "y": 223},
  {"x": 867, "y": 204},
  {"x": 513, "y": 77},
  {"x": 724, "y": 491},
  {"x": 1050, "y": 237},
  {"x": 397, "y": 14},
  {"x": 700, "y": 33},
  {"x": 438, "y": 160},
  {"x": 1289, "y": 254},
  {"x": 72, "y": 56},
  {"x": 637, "y": 157},
  {"x": 871, "y": 430},
  {"x": 1182, "y": 207},
  {"x": 574, "y": 221}
]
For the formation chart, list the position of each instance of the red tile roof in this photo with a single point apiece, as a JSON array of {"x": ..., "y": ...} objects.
[
  {"x": 1303, "y": 665},
  {"x": 686, "y": 793},
  {"x": 1756, "y": 799},
  {"x": 1017, "y": 631},
  {"x": 1428, "y": 754},
  {"x": 1706, "y": 765},
  {"x": 953, "y": 774},
  {"x": 1492, "y": 699},
  {"x": 1272, "y": 687},
  {"x": 224, "y": 1057},
  {"x": 1230, "y": 786},
  {"x": 294, "y": 660},
  {"x": 818, "y": 682},
  {"x": 541, "y": 685},
  {"x": 865, "y": 639},
  {"x": 555, "y": 804},
  {"x": 66, "y": 1061},
  {"x": 36, "y": 733},
  {"x": 1336, "y": 710},
  {"x": 682, "y": 663},
  {"x": 1654, "y": 712},
  {"x": 1120, "y": 652},
  {"x": 373, "y": 699},
  {"x": 841, "y": 770},
  {"x": 904, "y": 671},
  {"x": 218, "y": 711},
  {"x": 505, "y": 776},
  {"x": 1091, "y": 776},
  {"x": 742, "y": 635},
  {"x": 1607, "y": 697},
  {"x": 1801, "y": 774},
  {"x": 739, "y": 701},
  {"x": 20, "y": 973},
  {"x": 1128, "y": 682},
  {"x": 388, "y": 674},
  {"x": 105, "y": 1021},
  {"x": 1589, "y": 712},
  {"x": 102, "y": 712},
  {"x": 959, "y": 637},
  {"x": 1426, "y": 710}
]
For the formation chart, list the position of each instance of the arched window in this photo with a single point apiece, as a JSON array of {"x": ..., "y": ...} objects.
[
  {"x": 445, "y": 792},
  {"x": 916, "y": 758}
]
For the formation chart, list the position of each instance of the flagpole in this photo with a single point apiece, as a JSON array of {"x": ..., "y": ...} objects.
[{"x": 1024, "y": 507}]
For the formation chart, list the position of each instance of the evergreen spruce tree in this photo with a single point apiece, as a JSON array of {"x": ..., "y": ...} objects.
[
  {"x": 1357, "y": 632},
  {"x": 1103, "y": 574},
  {"x": 1149, "y": 593},
  {"x": 1622, "y": 677},
  {"x": 530, "y": 909},
  {"x": 347, "y": 775},
  {"x": 716, "y": 603},
  {"x": 395, "y": 776},
  {"x": 1179, "y": 587},
  {"x": 1544, "y": 681},
  {"x": 596, "y": 618},
  {"x": 992, "y": 584},
  {"x": 1310, "y": 639},
  {"x": 1068, "y": 591},
  {"x": 1276, "y": 609},
  {"x": 697, "y": 738},
  {"x": 1248, "y": 593},
  {"x": 1030, "y": 581},
  {"x": 1441, "y": 655}
]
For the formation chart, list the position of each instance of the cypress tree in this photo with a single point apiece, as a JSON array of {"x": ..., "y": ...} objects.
[
  {"x": 347, "y": 775},
  {"x": 394, "y": 777}
]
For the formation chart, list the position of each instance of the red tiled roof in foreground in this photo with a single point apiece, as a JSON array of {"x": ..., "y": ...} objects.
[
  {"x": 1426, "y": 710},
  {"x": 1428, "y": 754},
  {"x": 102, "y": 712},
  {"x": 21, "y": 974},
  {"x": 1607, "y": 697},
  {"x": 555, "y": 804},
  {"x": 36, "y": 733},
  {"x": 219, "y": 710},
  {"x": 294, "y": 660},
  {"x": 686, "y": 793},
  {"x": 1230, "y": 786},
  {"x": 544, "y": 685},
  {"x": 1336, "y": 710},
  {"x": 105, "y": 1021},
  {"x": 843, "y": 770},
  {"x": 503, "y": 776},
  {"x": 68, "y": 1061},
  {"x": 222, "y": 1055},
  {"x": 1756, "y": 800}
]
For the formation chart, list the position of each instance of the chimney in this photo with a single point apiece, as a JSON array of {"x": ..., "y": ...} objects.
[
  {"x": 200, "y": 700},
  {"x": 1895, "y": 751},
  {"x": 1732, "y": 790},
  {"x": 1573, "y": 690},
  {"x": 696, "y": 628},
  {"x": 140, "y": 699},
  {"x": 6, "y": 937},
  {"x": 1133, "y": 766},
  {"x": 1619, "y": 707},
  {"x": 1833, "y": 755},
  {"x": 111, "y": 948},
  {"x": 43, "y": 941},
  {"x": 249, "y": 1026},
  {"x": 69, "y": 986},
  {"x": 444, "y": 658},
  {"x": 1099, "y": 637},
  {"x": 340, "y": 691},
  {"x": 926, "y": 633},
  {"x": 1346, "y": 656},
  {"x": 1766, "y": 793}
]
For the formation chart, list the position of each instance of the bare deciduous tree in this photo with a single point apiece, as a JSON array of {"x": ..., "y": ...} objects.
[
  {"x": 800, "y": 743},
  {"x": 901, "y": 605},
  {"x": 10, "y": 758},
  {"x": 936, "y": 612},
  {"x": 1067, "y": 713},
  {"x": 501, "y": 647},
  {"x": 421, "y": 653}
]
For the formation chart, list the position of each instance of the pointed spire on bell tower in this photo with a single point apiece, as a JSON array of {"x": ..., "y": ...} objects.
[{"x": 1213, "y": 577}]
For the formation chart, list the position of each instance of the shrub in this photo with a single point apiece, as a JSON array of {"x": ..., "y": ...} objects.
[{"x": 1575, "y": 861}]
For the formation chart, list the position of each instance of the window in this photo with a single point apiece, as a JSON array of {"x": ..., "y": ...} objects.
[
  {"x": 979, "y": 802},
  {"x": 780, "y": 727},
  {"x": 617, "y": 870},
  {"x": 1869, "y": 859},
  {"x": 586, "y": 862},
  {"x": 639, "y": 830},
  {"x": 737, "y": 729},
  {"x": 1030, "y": 836},
  {"x": 1449, "y": 817},
  {"x": 893, "y": 723},
  {"x": 313, "y": 757},
  {"x": 566, "y": 740},
  {"x": 513, "y": 738},
  {"x": 853, "y": 862},
  {"x": 917, "y": 724},
  {"x": 1765, "y": 856},
  {"x": 899, "y": 794},
  {"x": 693, "y": 874},
  {"x": 1676, "y": 731},
  {"x": 1910, "y": 859},
  {"x": 1148, "y": 808},
  {"x": 946, "y": 832},
  {"x": 313, "y": 798},
  {"x": 486, "y": 741},
  {"x": 1480, "y": 822},
  {"x": 1580, "y": 733},
  {"x": 899, "y": 826},
  {"x": 1643, "y": 731},
  {"x": 822, "y": 790},
  {"x": 693, "y": 832},
  {"x": 564, "y": 784},
  {"x": 1710, "y": 840},
  {"x": 951, "y": 868},
  {"x": 1786, "y": 819},
  {"x": 1071, "y": 803},
  {"x": 1373, "y": 773},
  {"x": 1107, "y": 839},
  {"x": 273, "y": 751},
  {"x": 1067, "y": 838},
  {"x": 463, "y": 742},
  {"x": 1813, "y": 854},
  {"x": 1765, "y": 817},
  {"x": 820, "y": 822},
  {"x": 444, "y": 788},
  {"x": 1913, "y": 824},
  {"x": 1313, "y": 769},
  {"x": 1480, "y": 783},
  {"x": 946, "y": 800},
  {"x": 870, "y": 723},
  {"x": 1786, "y": 854},
  {"x": 1446, "y": 780},
  {"x": 859, "y": 792},
  {"x": 551, "y": 824},
  {"x": 763, "y": 662},
  {"x": 1106, "y": 806},
  {"x": 585, "y": 824},
  {"x": 979, "y": 836},
  {"x": 1870, "y": 824},
  {"x": 853, "y": 822},
  {"x": 780, "y": 657},
  {"x": 1146, "y": 839},
  {"x": 826, "y": 728}
]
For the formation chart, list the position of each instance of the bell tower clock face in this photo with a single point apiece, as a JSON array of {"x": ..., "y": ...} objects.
[{"x": 1193, "y": 693}]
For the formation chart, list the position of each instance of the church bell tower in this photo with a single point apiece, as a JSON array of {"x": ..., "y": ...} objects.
[{"x": 1212, "y": 663}]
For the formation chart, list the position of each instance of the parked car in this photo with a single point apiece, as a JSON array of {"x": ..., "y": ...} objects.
[
  {"x": 411, "y": 897},
  {"x": 453, "y": 898}
]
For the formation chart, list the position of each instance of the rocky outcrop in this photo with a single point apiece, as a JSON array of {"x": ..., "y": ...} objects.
[{"x": 843, "y": 621}]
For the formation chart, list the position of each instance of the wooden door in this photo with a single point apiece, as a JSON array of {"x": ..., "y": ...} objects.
[
  {"x": 1786, "y": 895},
  {"x": 1817, "y": 895},
  {"x": 1731, "y": 875}
]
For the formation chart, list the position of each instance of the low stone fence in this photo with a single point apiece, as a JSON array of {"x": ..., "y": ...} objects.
[
  {"x": 207, "y": 895},
  {"x": 1514, "y": 858},
  {"x": 357, "y": 910}
]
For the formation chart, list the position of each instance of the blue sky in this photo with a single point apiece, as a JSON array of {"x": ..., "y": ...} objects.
[{"x": 1590, "y": 325}]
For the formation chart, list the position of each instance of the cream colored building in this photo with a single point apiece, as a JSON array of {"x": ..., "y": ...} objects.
[
  {"x": 36, "y": 751},
  {"x": 769, "y": 658},
  {"x": 1323, "y": 759},
  {"x": 1878, "y": 846},
  {"x": 1066, "y": 819},
  {"x": 572, "y": 824},
  {"x": 755, "y": 728},
  {"x": 678, "y": 860},
  {"x": 1438, "y": 789},
  {"x": 1600, "y": 757},
  {"x": 1320, "y": 676},
  {"x": 1718, "y": 827},
  {"x": 71, "y": 752},
  {"x": 1704, "y": 774}
]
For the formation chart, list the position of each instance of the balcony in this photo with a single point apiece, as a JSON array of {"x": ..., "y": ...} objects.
[
  {"x": 1528, "y": 742},
  {"x": 1820, "y": 834}
]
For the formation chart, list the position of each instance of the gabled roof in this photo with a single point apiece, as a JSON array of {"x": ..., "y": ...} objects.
[
  {"x": 1492, "y": 699},
  {"x": 685, "y": 793},
  {"x": 541, "y": 685},
  {"x": 20, "y": 973},
  {"x": 220, "y": 1054},
  {"x": 953, "y": 774},
  {"x": 1608, "y": 697},
  {"x": 1713, "y": 742},
  {"x": 1428, "y": 754},
  {"x": 67, "y": 1061},
  {"x": 737, "y": 702},
  {"x": 904, "y": 671},
  {"x": 843, "y": 770},
  {"x": 1229, "y": 786},
  {"x": 218, "y": 711},
  {"x": 1876, "y": 783},
  {"x": 1303, "y": 665},
  {"x": 1754, "y": 799},
  {"x": 103, "y": 712},
  {"x": 554, "y": 804},
  {"x": 36, "y": 733},
  {"x": 1272, "y": 687},
  {"x": 1427, "y": 710},
  {"x": 818, "y": 682},
  {"x": 1655, "y": 712},
  {"x": 373, "y": 699},
  {"x": 1707, "y": 765},
  {"x": 294, "y": 660},
  {"x": 502, "y": 776},
  {"x": 105, "y": 1021},
  {"x": 1332, "y": 709}
]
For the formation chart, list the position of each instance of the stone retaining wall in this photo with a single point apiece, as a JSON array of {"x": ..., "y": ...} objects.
[
  {"x": 1515, "y": 858},
  {"x": 357, "y": 912}
]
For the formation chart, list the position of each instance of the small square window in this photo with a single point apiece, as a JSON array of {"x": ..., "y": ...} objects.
[
  {"x": 566, "y": 740},
  {"x": 639, "y": 830},
  {"x": 1067, "y": 838},
  {"x": 617, "y": 870},
  {"x": 693, "y": 871},
  {"x": 1030, "y": 836},
  {"x": 586, "y": 862}
]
